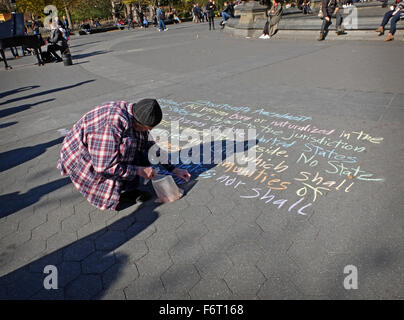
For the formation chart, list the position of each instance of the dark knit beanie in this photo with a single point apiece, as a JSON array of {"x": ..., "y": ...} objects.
[{"x": 147, "y": 112}]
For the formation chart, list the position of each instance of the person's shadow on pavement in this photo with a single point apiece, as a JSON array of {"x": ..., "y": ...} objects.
[{"x": 88, "y": 267}]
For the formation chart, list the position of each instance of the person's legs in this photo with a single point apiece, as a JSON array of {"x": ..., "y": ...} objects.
[
  {"x": 225, "y": 16},
  {"x": 393, "y": 23},
  {"x": 130, "y": 189},
  {"x": 392, "y": 31},
  {"x": 338, "y": 23},
  {"x": 52, "y": 48},
  {"x": 273, "y": 29},
  {"x": 386, "y": 18},
  {"x": 324, "y": 29}
]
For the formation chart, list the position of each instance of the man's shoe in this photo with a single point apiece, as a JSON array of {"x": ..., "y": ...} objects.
[
  {"x": 165, "y": 29},
  {"x": 380, "y": 30},
  {"x": 321, "y": 37},
  {"x": 389, "y": 37},
  {"x": 262, "y": 36},
  {"x": 135, "y": 196}
]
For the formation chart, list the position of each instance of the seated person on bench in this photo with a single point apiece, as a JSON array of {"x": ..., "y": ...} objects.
[{"x": 56, "y": 41}]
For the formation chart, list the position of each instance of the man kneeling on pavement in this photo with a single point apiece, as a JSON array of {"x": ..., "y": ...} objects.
[{"x": 106, "y": 153}]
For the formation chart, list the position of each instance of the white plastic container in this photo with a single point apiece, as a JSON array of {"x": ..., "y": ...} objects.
[{"x": 166, "y": 189}]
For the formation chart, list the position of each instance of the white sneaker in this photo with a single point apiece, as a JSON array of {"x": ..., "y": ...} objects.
[
  {"x": 267, "y": 36},
  {"x": 159, "y": 30},
  {"x": 165, "y": 29},
  {"x": 262, "y": 36}
]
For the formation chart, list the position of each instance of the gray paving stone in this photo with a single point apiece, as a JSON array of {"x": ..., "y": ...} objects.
[
  {"x": 122, "y": 224},
  {"x": 186, "y": 252},
  {"x": 169, "y": 222},
  {"x": 210, "y": 289},
  {"x": 98, "y": 262},
  {"x": 25, "y": 286},
  {"x": 72, "y": 223},
  {"x": 154, "y": 263},
  {"x": 111, "y": 295},
  {"x": 32, "y": 222},
  {"x": 54, "y": 258},
  {"x": 244, "y": 280},
  {"x": 47, "y": 206},
  {"x": 85, "y": 287},
  {"x": 135, "y": 249},
  {"x": 214, "y": 264},
  {"x": 245, "y": 253},
  {"x": 162, "y": 240},
  {"x": 15, "y": 239},
  {"x": 119, "y": 275},
  {"x": 110, "y": 240},
  {"x": 47, "y": 229},
  {"x": 190, "y": 231},
  {"x": 218, "y": 240},
  {"x": 196, "y": 214},
  {"x": 145, "y": 288},
  {"x": 175, "y": 296},
  {"x": 91, "y": 231},
  {"x": 31, "y": 249},
  {"x": 140, "y": 231},
  {"x": 180, "y": 278},
  {"x": 67, "y": 272},
  {"x": 7, "y": 228},
  {"x": 78, "y": 250},
  {"x": 200, "y": 198},
  {"x": 278, "y": 265},
  {"x": 278, "y": 289},
  {"x": 219, "y": 224},
  {"x": 220, "y": 205},
  {"x": 60, "y": 240}
]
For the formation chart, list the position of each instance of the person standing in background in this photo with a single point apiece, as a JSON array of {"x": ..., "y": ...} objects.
[{"x": 210, "y": 8}]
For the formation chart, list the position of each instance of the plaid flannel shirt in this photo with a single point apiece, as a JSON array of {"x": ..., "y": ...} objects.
[{"x": 99, "y": 153}]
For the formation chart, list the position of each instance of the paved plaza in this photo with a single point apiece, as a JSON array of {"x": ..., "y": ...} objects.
[{"x": 326, "y": 192}]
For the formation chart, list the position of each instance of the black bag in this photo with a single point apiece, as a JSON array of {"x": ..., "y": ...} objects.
[{"x": 46, "y": 57}]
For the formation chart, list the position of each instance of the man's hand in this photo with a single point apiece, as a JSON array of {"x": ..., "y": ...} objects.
[
  {"x": 182, "y": 173},
  {"x": 327, "y": 18},
  {"x": 146, "y": 172}
]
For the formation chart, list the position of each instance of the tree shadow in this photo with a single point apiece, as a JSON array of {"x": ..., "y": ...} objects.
[
  {"x": 47, "y": 92},
  {"x": 15, "y": 201},
  {"x": 8, "y": 124},
  {"x": 13, "y": 158},
  {"x": 14, "y": 91},
  {"x": 89, "y": 267},
  {"x": 84, "y": 44},
  {"x": 9, "y": 111},
  {"x": 90, "y": 54}
]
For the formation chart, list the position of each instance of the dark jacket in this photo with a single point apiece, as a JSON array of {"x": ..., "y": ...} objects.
[
  {"x": 57, "y": 38},
  {"x": 210, "y": 8},
  {"x": 328, "y": 7},
  {"x": 229, "y": 10}
]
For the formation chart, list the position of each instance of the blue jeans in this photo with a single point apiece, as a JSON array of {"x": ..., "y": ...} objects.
[
  {"x": 394, "y": 19},
  {"x": 225, "y": 16},
  {"x": 162, "y": 26}
]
